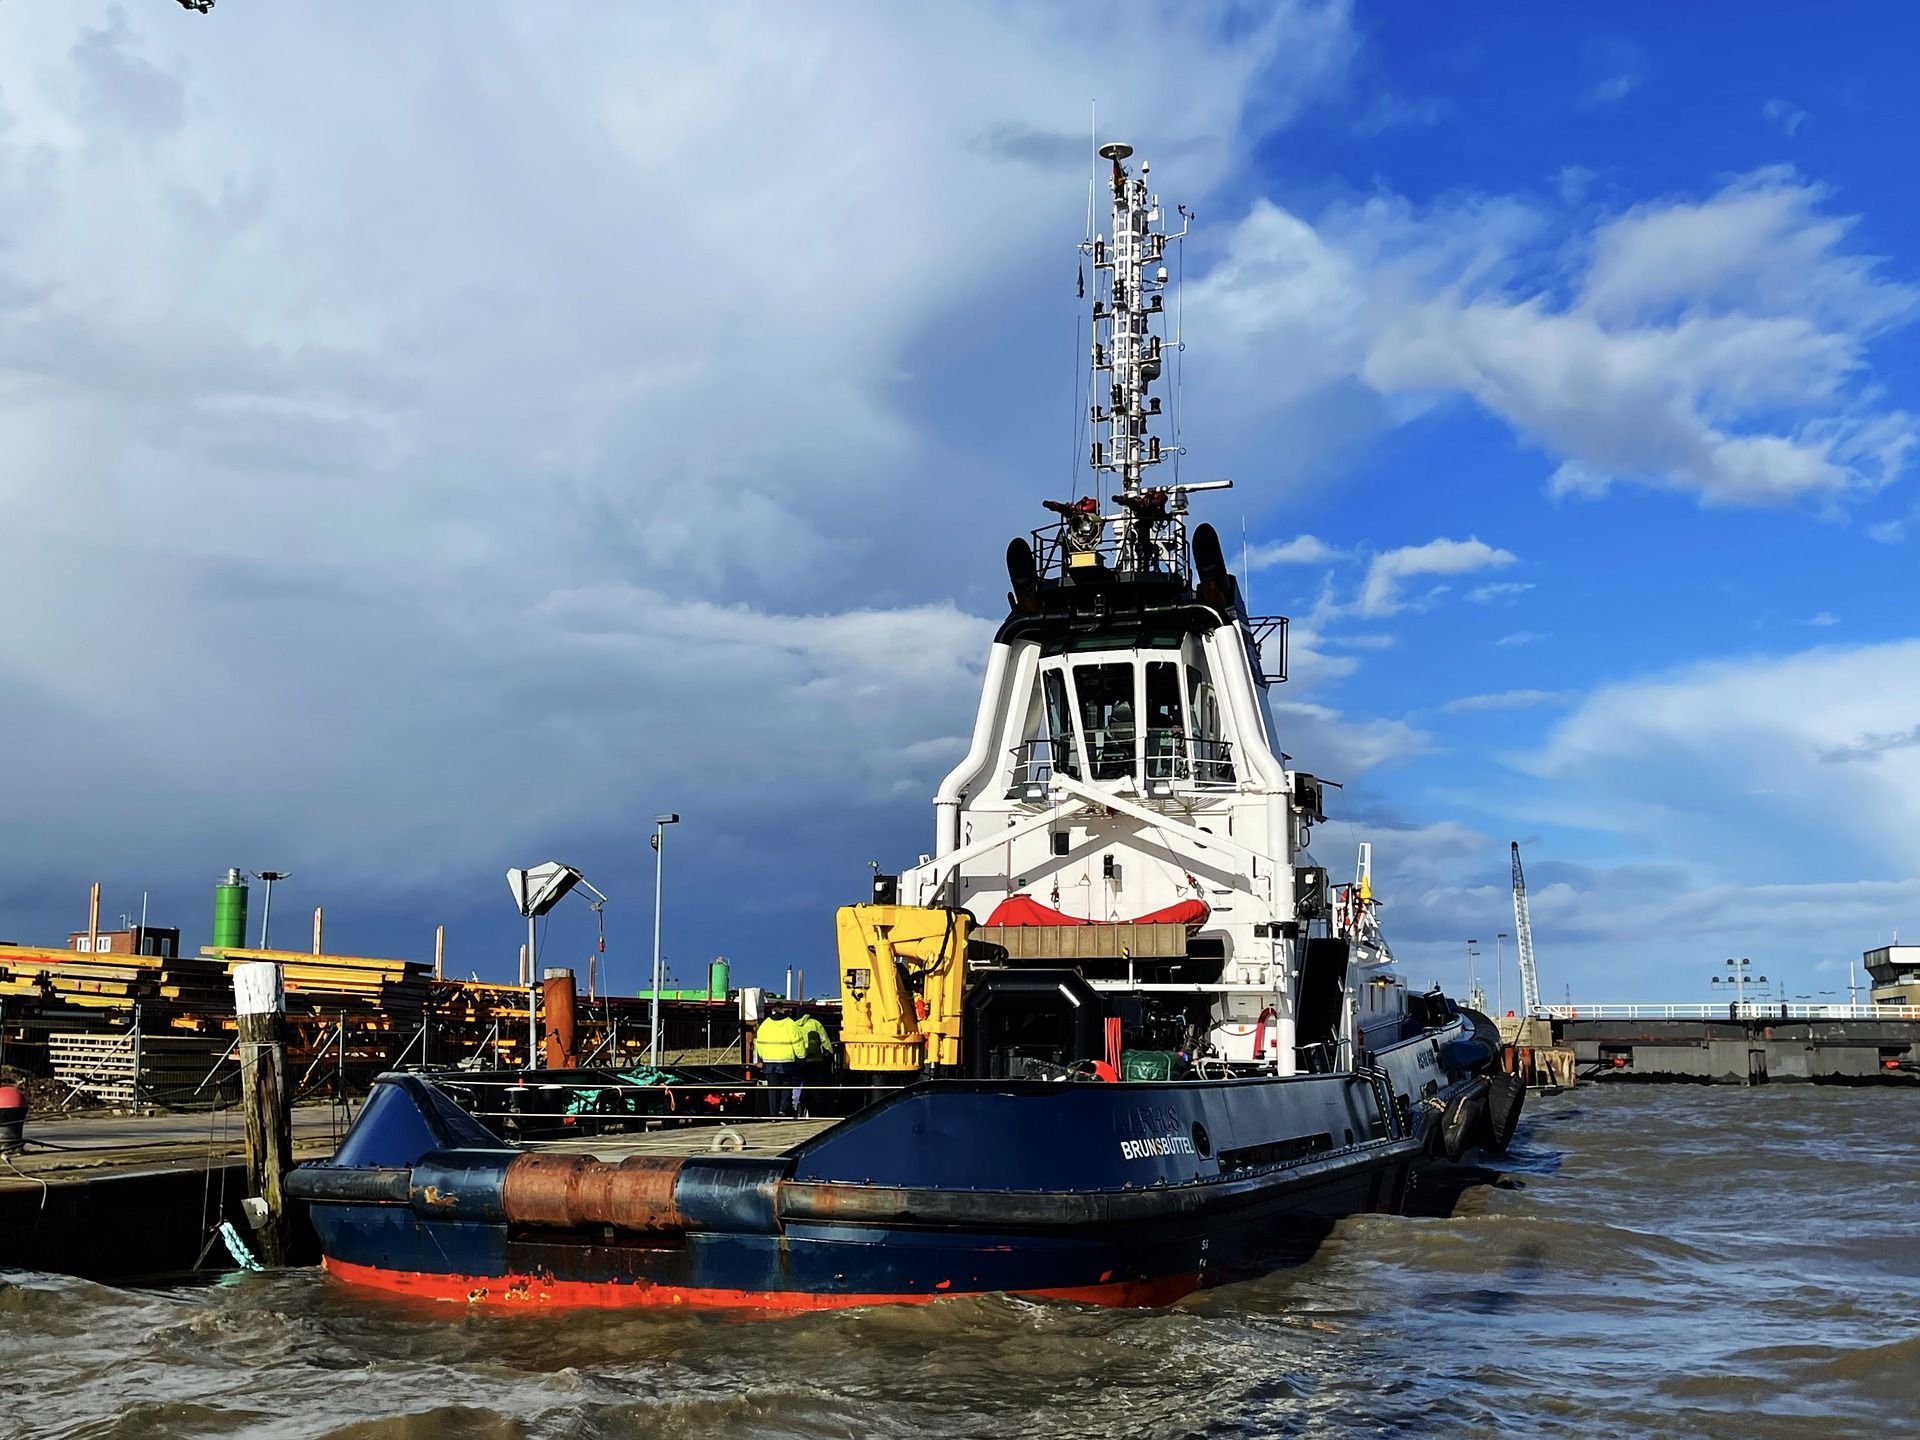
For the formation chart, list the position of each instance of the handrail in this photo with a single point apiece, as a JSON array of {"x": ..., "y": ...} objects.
[
  {"x": 1171, "y": 754},
  {"x": 1736, "y": 1010},
  {"x": 1381, "y": 1084}
]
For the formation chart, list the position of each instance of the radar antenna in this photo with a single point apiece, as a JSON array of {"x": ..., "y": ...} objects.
[
  {"x": 1127, "y": 351},
  {"x": 1523, "y": 941}
]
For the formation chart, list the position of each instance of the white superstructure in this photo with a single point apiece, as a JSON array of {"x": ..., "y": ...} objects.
[{"x": 1123, "y": 761}]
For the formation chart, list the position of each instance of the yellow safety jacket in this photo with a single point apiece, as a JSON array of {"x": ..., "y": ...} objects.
[
  {"x": 815, "y": 1043},
  {"x": 779, "y": 1040}
]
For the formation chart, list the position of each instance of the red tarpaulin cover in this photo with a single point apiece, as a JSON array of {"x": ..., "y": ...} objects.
[{"x": 1025, "y": 910}]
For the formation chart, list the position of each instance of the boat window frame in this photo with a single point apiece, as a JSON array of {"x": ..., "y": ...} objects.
[
  {"x": 1075, "y": 761},
  {"x": 1180, "y": 768},
  {"x": 1100, "y": 659}
]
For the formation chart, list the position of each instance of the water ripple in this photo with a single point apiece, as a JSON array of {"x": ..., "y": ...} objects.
[{"x": 1685, "y": 1263}]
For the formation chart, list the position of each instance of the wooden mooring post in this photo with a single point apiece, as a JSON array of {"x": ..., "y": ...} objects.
[{"x": 260, "y": 1003}]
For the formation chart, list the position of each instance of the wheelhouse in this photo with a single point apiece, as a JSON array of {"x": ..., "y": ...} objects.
[{"x": 1150, "y": 720}]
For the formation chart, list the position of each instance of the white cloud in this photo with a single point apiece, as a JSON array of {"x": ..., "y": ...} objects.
[
  {"x": 1816, "y": 752},
  {"x": 1788, "y": 117},
  {"x": 1571, "y": 183},
  {"x": 1499, "y": 590},
  {"x": 1615, "y": 88},
  {"x": 1520, "y": 637},
  {"x": 1364, "y": 641},
  {"x": 1824, "y": 618},
  {"x": 1300, "y": 550},
  {"x": 1507, "y": 700},
  {"x": 1380, "y": 591},
  {"x": 1763, "y": 247},
  {"x": 413, "y": 432},
  {"x": 1783, "y": 787},
  {"x": 1342, "y": 746},
  {"x": 1717, "y": 347}
]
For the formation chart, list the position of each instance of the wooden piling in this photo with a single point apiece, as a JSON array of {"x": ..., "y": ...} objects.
[
  {"x": 439, "y": 951},
  {"x": 260, "y": 1005},
  {"x": 316, "y": 930},
  {"x": 93, "y": 919}
]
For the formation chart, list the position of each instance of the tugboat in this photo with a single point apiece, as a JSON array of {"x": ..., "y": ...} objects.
[{"x": 1116, "y": 1035}]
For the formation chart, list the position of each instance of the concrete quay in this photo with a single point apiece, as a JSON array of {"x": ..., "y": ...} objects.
[
  {"x": 1754, "y": 1049},
  {"x": 128, "y": 1198}
]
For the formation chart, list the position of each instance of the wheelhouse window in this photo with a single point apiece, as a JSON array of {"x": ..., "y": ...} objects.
[
  {"x": 1212, "y": 755},
  {"x": 1059, "y": 719},
  {"x": 1047, "y": 745},
  {"x": 1166, "y": 726},
  {"x": 1106, "y": 700}
]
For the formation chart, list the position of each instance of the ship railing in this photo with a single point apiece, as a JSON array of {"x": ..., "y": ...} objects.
[
  {"x": 1034, "y": 762},
  {"x": 1054, "y": 547},
  {"x": 1267, "y": 647},
  {"x": 531, "y": 1110},
  {"x": 1736, "y": 1010},
  {"x": 1171, "y": 755},
  {"x": 1176, "y": 755}
]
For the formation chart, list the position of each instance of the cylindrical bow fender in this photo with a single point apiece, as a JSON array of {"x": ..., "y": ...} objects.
[
  {"x": 1506, "y": 1094},
  {"x": 570, "y": 1191},
  {"x": 1463, "y": 1125}
]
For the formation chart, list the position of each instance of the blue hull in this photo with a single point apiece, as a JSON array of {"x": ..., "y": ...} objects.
[{"x": 1123, "y": 1194}]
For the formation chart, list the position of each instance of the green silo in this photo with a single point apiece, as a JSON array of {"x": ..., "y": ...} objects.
[
  {"x": 719, "y": 976},
  {"x": 230, "y": 913}
]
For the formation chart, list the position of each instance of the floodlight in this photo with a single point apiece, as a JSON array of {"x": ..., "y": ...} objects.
[{"x": 538, "y": 890}]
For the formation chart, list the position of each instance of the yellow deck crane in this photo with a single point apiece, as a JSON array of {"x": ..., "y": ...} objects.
[{"x": 903, "y": 971}]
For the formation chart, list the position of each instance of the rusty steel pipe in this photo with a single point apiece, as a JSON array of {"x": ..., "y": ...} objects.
[{"x": 570, "y": 1191}]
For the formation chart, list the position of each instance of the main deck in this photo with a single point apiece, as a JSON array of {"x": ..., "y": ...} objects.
[{"x": 765, "y": 1137}]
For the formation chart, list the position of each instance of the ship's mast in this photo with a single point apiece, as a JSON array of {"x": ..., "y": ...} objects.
[{"x": 1128, "y": 354}]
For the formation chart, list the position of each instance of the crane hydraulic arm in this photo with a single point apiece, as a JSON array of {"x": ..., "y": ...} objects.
[
  {"x": 903, "y": 971},
  {"x": 1523, "y": 940}
]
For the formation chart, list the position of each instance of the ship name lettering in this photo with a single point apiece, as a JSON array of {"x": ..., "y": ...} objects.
[{"x": 1156, "y": 1145}]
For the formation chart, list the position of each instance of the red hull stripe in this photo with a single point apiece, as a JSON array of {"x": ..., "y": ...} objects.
[{"x": 612, "y": 1294}]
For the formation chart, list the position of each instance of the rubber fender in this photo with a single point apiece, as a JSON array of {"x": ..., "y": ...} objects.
[
  {"x": 460, "y": 1185},
  {"x": 358, "y": 1185},
  {"x": 1462, "y": 1126},
  {"x": 1506, "y": 1094},
  {"x": 572, "y": 1191}
]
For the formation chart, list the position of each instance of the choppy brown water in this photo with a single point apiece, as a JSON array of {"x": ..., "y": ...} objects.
[{"x": 1671, "y": 1262}]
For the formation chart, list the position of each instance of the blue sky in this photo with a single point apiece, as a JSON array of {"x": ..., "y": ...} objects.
[{"x": 429, "y": 448}]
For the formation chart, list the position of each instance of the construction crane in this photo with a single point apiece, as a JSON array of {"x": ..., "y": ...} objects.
[{"x": 1523, "y": 941}]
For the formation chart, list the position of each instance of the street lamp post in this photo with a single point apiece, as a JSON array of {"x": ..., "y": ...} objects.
[
  {"x": 1499, "y": 978},
  {"x": 266, "y": 906},
  {"x": 536, "y": 891},
  {"x": 660, "y": 823}
]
